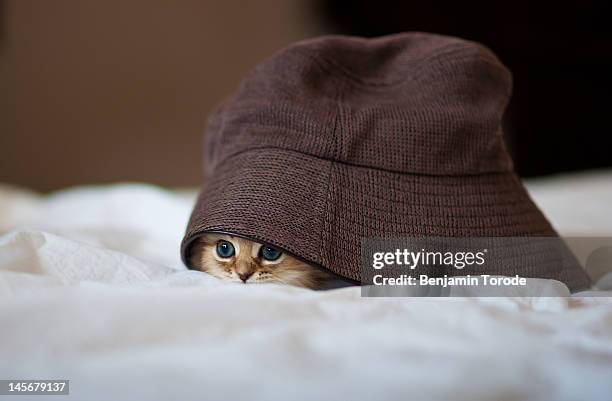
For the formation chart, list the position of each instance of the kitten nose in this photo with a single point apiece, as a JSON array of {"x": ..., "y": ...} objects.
[{"x": 245, "y": 276}]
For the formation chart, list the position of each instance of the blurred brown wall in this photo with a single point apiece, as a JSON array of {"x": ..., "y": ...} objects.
[{"x": 105, "y": 91}]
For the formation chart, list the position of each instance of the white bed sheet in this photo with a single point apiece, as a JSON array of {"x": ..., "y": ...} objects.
[{"x": 92, "y": 290}]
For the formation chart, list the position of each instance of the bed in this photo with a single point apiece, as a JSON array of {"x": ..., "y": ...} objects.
[{"x": 93, "y": 290}]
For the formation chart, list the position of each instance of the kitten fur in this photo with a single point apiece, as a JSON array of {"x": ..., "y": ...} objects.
[{"x": 247, "y": 262}]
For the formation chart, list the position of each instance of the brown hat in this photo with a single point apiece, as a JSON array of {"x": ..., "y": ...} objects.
[{"x": 336, "y": 139}]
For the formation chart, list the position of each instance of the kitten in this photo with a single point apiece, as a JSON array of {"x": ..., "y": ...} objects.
[{"x": 240, "y": 260}]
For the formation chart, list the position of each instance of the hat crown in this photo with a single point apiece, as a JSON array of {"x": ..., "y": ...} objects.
[{"x": 409, "y": 103}]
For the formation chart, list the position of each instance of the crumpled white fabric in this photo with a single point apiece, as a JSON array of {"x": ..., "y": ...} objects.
[{"x": 92, "y": 290}]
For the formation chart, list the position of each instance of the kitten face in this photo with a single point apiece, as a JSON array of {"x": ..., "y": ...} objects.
[{"x": 243, "y": 261}]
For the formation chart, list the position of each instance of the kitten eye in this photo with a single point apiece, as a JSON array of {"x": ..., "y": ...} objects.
[
  {"x": 269, "y": 253},
  {"x": 225, "y": 249}
]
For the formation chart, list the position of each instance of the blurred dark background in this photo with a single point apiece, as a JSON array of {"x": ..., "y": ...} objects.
[
  {"x": 96, "y": 91},
  {"x": 105, "y": 91},
  {"x": 560, "y": 54}
]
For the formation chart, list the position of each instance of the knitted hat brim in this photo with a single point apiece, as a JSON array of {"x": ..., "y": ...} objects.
[{"x": 320, "y": 210}]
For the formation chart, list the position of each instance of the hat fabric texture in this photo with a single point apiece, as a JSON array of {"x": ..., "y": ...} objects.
[{"x": 337, "y": 138}]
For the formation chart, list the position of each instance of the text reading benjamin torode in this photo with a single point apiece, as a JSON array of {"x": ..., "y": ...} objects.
[{"x": 458, "y": 260}]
